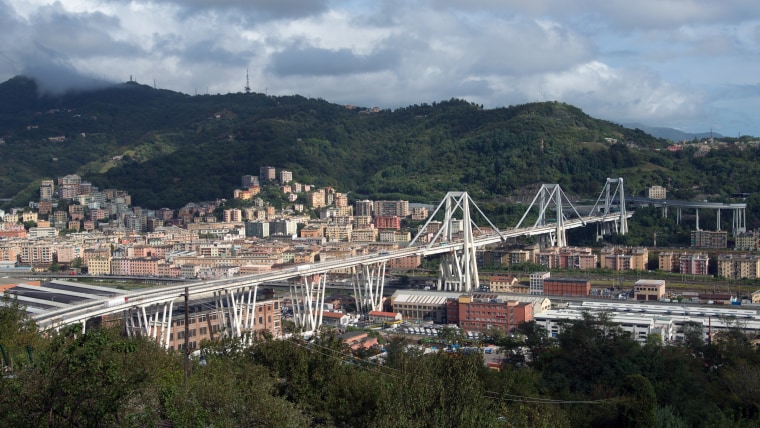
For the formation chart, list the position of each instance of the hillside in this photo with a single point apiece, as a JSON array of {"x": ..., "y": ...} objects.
[
  {"x": 167, "y": 148},
  {"x": 672, "y": 134}
]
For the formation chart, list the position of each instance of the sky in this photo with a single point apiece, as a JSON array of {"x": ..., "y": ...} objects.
[{"x": 693, "y": 65}]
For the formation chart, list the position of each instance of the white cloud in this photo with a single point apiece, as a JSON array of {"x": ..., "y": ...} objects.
[{"x": 653, "y": 61}]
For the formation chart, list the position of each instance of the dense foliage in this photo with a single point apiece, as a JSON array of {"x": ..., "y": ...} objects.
[
  {"x": 592, "y": 375},
  {"x": 176, "y": 148}
]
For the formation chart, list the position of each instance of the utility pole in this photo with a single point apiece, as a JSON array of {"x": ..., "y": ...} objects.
[{"x": 187, "y": 333}]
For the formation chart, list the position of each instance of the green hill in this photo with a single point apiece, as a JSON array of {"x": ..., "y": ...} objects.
[{"x": 167, "y": 148}]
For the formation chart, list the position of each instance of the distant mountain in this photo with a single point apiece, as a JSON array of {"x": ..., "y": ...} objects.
[
  {"x": 167, "y": 148},
  {"x": 672, "y": 134}
]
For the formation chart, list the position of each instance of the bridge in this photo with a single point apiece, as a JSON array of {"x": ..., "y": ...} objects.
[
  {"x": 451, "y": 231},
  {"x": 738, "y": 210}
]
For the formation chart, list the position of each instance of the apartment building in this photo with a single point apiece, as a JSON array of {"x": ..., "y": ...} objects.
[
  {"x": 502, "y": 283},
  {"x": 232, "y": 215},
  {"x": 47, "y": 190},
  {"x": 738, "y": 266},
  {"x": 746, "y": 241},
  {"x": 364, "y": 235},
  {"x": 709, "y": 239},
  {"x": 364, "y": 208},
  {"x": 657, "y": 192},
  {"x": 338, "y": 233},
  {"x": 286, "y": 177},
  {"x": 267, "y": 173},
  {"x": 624, "y": 258},
  {"x": 316, "y": 199},
  {"x": 99, "y": 266},
  {"x": 694, "y": 264},
  {"x": 537, "y": 280},
  {"x": 668, "y": 261},
  {"x": 388, "y": 222},
  {"x": 391, "y": 208},
  {"x": 419, "y": 213}
]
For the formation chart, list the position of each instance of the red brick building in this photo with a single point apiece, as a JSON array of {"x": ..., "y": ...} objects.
[
  {"x": 480, "y": 314},
  {"x": 405, "y": 263},
  {"x": 567, "y": 287}
]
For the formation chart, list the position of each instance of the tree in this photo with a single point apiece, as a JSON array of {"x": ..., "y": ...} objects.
[
  {"x": 536, "y": 340},
  {"x": 638, "y": 405}
]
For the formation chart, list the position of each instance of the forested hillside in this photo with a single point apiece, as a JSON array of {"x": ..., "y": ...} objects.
[{"x": 167, "y": 148}]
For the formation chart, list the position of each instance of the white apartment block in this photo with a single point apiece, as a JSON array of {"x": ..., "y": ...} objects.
[{"x": 537, "y": 282}]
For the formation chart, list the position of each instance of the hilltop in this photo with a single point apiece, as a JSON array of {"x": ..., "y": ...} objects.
[
  {"x": 672, "y": 134},
  {"x": 168, "y": 148}
]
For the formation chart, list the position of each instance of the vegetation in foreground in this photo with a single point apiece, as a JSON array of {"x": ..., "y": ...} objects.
[{"x": 592, "y": 375}]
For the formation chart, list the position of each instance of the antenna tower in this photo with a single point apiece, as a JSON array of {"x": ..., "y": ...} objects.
[{"x": 247, "y": 84}]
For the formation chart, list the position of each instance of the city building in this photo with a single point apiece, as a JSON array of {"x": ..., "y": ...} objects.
[
  {"x": 709, "y": 239},
  {"x": 624, "y": 258},
  {"x": 502, "y": 283},
  {"x": 567, "y": 287},
  {"x": 247, "y": 181},
  {"x": 537, "y": 280},
  {"x": 388, "y": 222},
  {"x": 47, "y": 190},
  {"x": 390, "y": 208},
  {"x": 267, "y": 173},
  {"x": 694, "y": 264},
  {"x": 746, "y": 241},
  {"x": 419, "y": 213},
  {"x": 403, "y": 263},
  {"x": 335, "y": 319},
  {"x": 482, "y": 312},
  {"x": 657, "y": 192},
  {"x": 286, "y": 176},
  {"x": 383, "y": 317},
  {"x": 668, "y": 261},
  {"x": 738, "y": 266},
  {"x": 363, "y": 208},
  {"x": 316, "y": 199},
  {"x": 649, "y": 289}
]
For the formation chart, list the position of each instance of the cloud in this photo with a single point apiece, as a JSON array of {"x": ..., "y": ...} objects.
[
  {"x": 624, "y": 95},
  {"x": 616, "y": 15},
  {"x": 255, "y": 10},
  {"x": 652, "y": 61},
  {"x": 309, "y": 60}
]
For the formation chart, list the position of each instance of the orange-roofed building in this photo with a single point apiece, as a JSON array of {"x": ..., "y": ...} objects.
[{"x": 378, "y": 316}]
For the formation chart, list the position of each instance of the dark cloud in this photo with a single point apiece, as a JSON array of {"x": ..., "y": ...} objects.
[
  {"x": 257, "y": 9},
  {"x": 310, "y": 60},
  {"x": 58, "y": 77},
  {"x": 81, "y": 35}
]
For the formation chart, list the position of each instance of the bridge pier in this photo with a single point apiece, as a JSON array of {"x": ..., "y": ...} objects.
[
  {"x": 142, "y": 321},
  {"x": 698, "y": 219},
  {"x": 459, "y": 269},
  {"x": 612, "y": 222},
  {"x": 308, "y": 299},
  {"x": 368, "y": 284}
]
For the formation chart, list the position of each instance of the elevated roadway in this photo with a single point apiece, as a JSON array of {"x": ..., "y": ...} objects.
[{"x": 80, "y": 312}]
